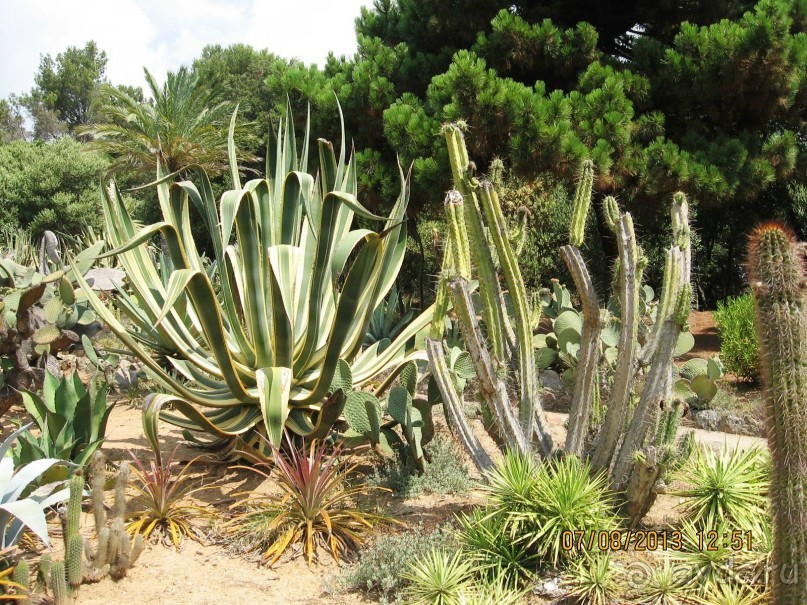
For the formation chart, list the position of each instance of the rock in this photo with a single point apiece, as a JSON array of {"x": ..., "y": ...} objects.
[
  {"x": 742, "y": 425},
  {"x": 126, "y": 375},
  {"x": 708, "y": 420},
  {"x": 552, "y": 381},
  {"x": 550, "y": 588},
  {"x": 726, "y": 421},
  {"x": 105, "y": 279}
]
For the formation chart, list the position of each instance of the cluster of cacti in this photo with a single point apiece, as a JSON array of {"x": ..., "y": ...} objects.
[
  {"x": 625, "y": 446},
  {"x": 479, "y": 236},
  {"x": 637, "y": 440},
  {"x": 776, "y": 264},
  {"x": 40, "y": 314},
  {"x": 114, "y": 551}
]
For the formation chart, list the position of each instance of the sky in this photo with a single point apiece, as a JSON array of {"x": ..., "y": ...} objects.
[{"x": 162, "y": 35}]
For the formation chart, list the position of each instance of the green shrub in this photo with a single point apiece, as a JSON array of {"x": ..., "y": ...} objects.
[
  {"x": 445, "y": 473},
  {"x": 383, "y": 564},
  {"x": 739, "y": 347},
  {"x": 50, "y": 186}
]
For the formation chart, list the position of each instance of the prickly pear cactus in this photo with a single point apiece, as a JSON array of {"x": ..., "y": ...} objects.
[
  {"x": 40, "y": 315},
  {"x": 779, "y": 285}
]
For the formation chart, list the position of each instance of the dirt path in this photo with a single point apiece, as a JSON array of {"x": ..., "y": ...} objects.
[{"x": 707, "y": 340}]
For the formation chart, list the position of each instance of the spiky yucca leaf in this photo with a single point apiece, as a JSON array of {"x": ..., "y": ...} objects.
[{"x": 731, "y": 485}]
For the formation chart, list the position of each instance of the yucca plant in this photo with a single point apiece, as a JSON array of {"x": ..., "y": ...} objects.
[
  {"x": 706, "y": 554},
  {"x": 161, "y": 509},
  {"x": 496, "y": 553},
  {"x": 664, "y": 585},
  {"x": 439, "y": 578},
  {"x": 298, "y": 286},
  {"x": 511, "y": 482},
  {"x": 731, "y": 485},
  {"x": 316, "y": 507},
  {"x": 729, "y": 594},
  {"x": 756, "y": 564},
  {"x": 567, "y": 498},
  {"x": 592, "y": 581},
  {"x": 495, "y": 593}
]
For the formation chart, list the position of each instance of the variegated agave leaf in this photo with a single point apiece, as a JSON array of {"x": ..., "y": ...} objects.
[{"x": 296, "y": 288}]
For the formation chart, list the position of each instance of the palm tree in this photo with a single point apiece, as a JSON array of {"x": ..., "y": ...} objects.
[{"x": 178, "y": 127}]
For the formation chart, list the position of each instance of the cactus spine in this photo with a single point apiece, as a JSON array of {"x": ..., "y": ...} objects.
[{"x": 776, "y": 271}]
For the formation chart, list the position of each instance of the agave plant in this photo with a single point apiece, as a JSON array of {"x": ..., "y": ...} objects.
[
  {"x": 71, "y": 420},
  {"x": 298, "y": 284},
  {"x": 22, "y": 503}
]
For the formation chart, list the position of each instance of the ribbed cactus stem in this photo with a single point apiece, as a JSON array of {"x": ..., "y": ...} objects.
[
  {"x": 119, "y": 509},
  {"x": 455, "y": 213},
  {"x": 74, "y": 560},
  {"x": 611, "y": 212},
  {"x": 477, "y": 241},
  {"x": 629, "y": 284},
  {"x": 22, "y": 574},
  {"x": 582, "y": 201},
  {"x": 675, "y": 275},
  {"x": 491, "y": 387},
  {"x": 776, "y": 271},
  {"x": 496, "y": 172},
  {"x": 588, "y": 358},
  {"x": 74, "y": 504},
  {"x": 681, "y": 232},
  {"x": 58, "y": 584},
  {"x": 97, "y": 472},
  {"x": 529, "y": 400},
  {"x": 659, "y": 379},
  {"x": 43, "y": 574},
  {"x": 453, "y": 405}
]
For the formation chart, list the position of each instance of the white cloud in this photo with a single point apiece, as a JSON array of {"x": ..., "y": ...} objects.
[{"x": 164, "y": 34}]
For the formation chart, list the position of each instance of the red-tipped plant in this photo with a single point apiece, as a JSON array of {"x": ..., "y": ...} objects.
[
  {"x": 160, "y": 510},
  {"x": 316, "y": 507}
]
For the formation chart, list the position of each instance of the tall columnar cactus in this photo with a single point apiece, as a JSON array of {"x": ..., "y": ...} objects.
[
  {"x": 58, "y": 584},
  {"x": 778, "y": 281},
  {"x": 635, "y": 446},
  {"x": 582, "y": 201},
  {"x": 477, "y": 230}
]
